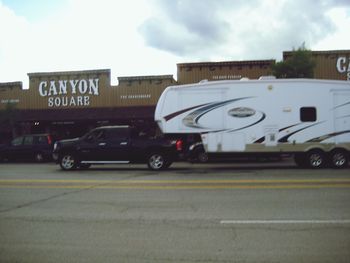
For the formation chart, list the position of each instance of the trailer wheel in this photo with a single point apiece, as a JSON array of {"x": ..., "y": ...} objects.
[
  {"x": 316, "y": 159},
  {"x": 157, "y": 161},
  {"x": 339, "y": 159}
]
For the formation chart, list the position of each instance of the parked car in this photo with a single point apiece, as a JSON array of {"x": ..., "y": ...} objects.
[
  {"x": 37, "y": 147},
  {"x": 116, "y": 145}
]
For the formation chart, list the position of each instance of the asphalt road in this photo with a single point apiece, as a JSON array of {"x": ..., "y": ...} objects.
[{"x": 262, "y": 212}]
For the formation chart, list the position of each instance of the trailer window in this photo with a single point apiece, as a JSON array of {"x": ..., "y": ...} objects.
[{"x": 308, "y": 114}]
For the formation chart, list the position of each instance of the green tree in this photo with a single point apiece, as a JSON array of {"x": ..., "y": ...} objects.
[{"x": 299, "y": 65}]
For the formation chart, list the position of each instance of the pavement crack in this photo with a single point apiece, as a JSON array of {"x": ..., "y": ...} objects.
[{"x": 43, "y": 200}]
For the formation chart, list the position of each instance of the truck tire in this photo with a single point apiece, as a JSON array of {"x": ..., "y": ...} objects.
[
  {"x": 68, "y": 161},
  {"x": 156, "y": 161},
  {"x": 316, "y": 159},
  {"x": 339, "y": 158}
]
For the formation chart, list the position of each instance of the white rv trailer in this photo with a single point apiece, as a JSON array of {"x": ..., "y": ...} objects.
[{"x": 309, "y": 118}]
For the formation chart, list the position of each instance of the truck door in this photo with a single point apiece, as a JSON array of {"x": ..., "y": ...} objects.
[
  {"x": 91, "y": 148},
  {"x": 105, "y": 145},
  {"x": 116, "y": 147},
  {"x": 341, "y": 108}
]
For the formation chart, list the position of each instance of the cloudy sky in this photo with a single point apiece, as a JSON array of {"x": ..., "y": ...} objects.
[{"x": 148, "y": 37}]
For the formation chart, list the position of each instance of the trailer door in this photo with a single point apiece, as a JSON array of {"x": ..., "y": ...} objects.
[{"x": 341, "y": 108}]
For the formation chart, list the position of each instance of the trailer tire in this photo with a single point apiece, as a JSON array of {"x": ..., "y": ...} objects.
[
  {"x": 339, "y": 159},
  {"x": 316, "y": 159}
]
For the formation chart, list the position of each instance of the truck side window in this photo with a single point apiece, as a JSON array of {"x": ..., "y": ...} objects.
[
  {"x": 100, "y": 135},
  {"x": 308, "y": 114},
  {"x": 120, "y": 133},
  {"x": 96, "y": 135}
]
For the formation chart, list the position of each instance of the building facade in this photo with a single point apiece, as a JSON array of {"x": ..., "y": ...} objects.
[
  {"x": 334, "y": 64},
  {"x": 70, "y": 103},
  {"x": 228, "y": 70}
]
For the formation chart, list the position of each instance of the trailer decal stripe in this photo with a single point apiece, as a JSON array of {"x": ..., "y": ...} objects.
[
  {"x": 262, "y": 139},
  {"x": 336, "y": 107},
  {"x": 327, "y": 136},
  {"x": 173, "y": 115},
  {"x": 191, "y": 120},
  {"x": 290, "y": 126},
  {"x": 285, "y": 138},
  {"x": 342, "y": 117},
  {"x": 260, "y": 120}
]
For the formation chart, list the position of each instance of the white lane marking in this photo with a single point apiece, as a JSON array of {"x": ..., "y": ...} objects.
[{"x": 268, "y": 222}]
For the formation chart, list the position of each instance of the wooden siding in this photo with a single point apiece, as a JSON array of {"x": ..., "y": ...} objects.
[
  {"x": 326, "y": 63},
  {"x": 131, "y": 91},
  {"x": 195, "y": 72}
]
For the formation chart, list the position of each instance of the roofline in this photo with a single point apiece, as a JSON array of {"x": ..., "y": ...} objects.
[
  {"x": 10, "y": 84},
  {"x": 227, "y": 63},
  {"x": 322, "y": 52},
  {"x": 151, "y": 77},
  {"x": 223, "y": 82},
  {"x": 77, "y": 72}
]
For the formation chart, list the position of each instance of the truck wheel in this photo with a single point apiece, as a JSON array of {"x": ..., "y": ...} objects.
[
  {"x": 316, "y": 159},
  {"x": 339, "y": 159},
  {"x": 156, "y": 161},
  {"x": 68, "y": 162}
]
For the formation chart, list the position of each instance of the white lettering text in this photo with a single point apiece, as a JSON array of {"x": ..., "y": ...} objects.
[{"x": 42, "y": 87}]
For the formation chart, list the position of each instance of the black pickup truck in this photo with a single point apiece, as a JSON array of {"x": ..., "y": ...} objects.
[{"x": 115, "y": 145}]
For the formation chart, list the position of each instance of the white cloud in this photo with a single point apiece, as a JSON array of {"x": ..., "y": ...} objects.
[
  {"x": 239, "y": 29},
  {"x": 14, "y": 33},
  {"x": 85, "y": 36},
  {"x": 142, "y": 37},
  {"x": 340, "y": 37}
]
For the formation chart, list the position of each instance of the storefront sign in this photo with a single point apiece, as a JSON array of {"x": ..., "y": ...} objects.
[
  {"x": 135, "y": 96},
  {"x": 225, "y": 77},
  {"x": 11, "y": 101},
  {"x": 343, "y": 66},
  {"x": 69, "y": 93}
]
